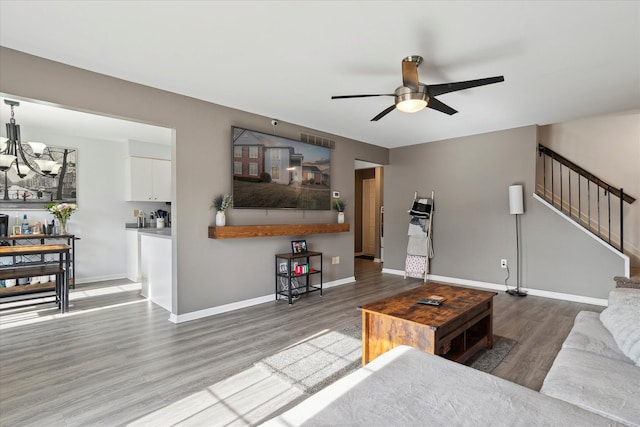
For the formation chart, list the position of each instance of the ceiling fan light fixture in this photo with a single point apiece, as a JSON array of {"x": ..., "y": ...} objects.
[
  {"x": 408, "y": 101},
  {"x": 411, "y": 105}
]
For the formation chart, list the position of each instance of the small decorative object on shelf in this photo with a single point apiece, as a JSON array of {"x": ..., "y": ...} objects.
[
  {"x": 339, "y": 205},
  {"x": 221, "y": 203},
  {"x": 62, "y": 211}
]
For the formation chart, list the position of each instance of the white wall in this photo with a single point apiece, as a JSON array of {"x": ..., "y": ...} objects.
[{"x": 102, "y": 211}]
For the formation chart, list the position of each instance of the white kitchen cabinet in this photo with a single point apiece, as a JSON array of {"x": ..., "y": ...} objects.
[{"x": 149, "y": 180}]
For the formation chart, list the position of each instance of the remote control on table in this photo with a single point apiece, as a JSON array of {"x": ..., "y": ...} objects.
[{"x": 429, "y": 301}]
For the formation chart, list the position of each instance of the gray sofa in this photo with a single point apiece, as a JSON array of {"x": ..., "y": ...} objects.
[
  {"x": 592, "y": 383},
  {"x": 598, "y": 367}
]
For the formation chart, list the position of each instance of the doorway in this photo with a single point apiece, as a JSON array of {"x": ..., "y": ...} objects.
[{"x": 368, "y": 211}]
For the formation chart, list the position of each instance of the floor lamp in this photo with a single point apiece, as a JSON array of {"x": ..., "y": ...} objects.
[{"x": 516, "y": 207}]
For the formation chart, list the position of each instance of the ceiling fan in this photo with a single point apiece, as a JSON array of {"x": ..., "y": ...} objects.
[{"x": 413, "y": 96}]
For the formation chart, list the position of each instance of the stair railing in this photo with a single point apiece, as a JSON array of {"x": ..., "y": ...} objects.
[{"x": 580, "y": 195}]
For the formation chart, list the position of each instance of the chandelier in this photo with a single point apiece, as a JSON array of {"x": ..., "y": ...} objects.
[
  {"x": 27, "y": 158},
  {"x": 14, "y": 153}
]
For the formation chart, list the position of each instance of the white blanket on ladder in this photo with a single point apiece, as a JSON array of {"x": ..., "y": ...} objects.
[
  {"x": 418, "y": 246},
  {"x": 415, "y": 266}
]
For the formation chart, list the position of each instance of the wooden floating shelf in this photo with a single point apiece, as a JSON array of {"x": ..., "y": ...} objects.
[{"x": 244, "y": 231}]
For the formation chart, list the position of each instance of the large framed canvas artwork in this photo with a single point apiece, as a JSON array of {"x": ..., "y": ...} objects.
[{"x": 272, "y": 172}]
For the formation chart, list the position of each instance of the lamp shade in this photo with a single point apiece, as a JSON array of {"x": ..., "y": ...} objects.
[
  {"x": 37, "y": 148},
  {"x": 5, "y": 161},
  {"x": 516, "y": 203}
]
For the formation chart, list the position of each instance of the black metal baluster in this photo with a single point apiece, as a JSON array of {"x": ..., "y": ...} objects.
[
  {"x": 561, "y": 197},
  {"x": 544, "y": 175},
  {"x": 608, "y": 194},
  {"x": 621, "y": 221},
  {"x": 570, "y": 199},
  {"x": 599, "y": 234},
  {"x": 553, "y": 196},
  {"x": 589, "y": 202},
  {"x": 579, "y": 199}
]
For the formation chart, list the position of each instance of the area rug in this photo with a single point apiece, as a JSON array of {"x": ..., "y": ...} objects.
[
  {"x": 486, "y": 360},
  {"x": 314, "y": 363}
]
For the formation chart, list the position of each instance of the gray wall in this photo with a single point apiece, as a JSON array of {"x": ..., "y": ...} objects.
[
  {"x": 472, "y": 227},
  {"x": 207, "y": 273}
]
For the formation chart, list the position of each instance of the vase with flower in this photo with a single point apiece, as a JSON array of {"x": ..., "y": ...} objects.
[
  {"x": 62, "y": 212},
  {"x": 339, "y": 205},
  {"x": 221, "y": 203}
]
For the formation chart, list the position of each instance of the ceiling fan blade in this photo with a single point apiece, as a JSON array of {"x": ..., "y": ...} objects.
[
  {"x": 410, "y": 75},
  {"x": 434, "y": 104},
  {"x": 435, "y": 90},
  {"x": 384, "y": 113},
  {"x": 360, "y": 96}
]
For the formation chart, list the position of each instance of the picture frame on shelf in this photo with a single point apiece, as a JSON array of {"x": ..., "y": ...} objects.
[{"x": 298, "y": 247}]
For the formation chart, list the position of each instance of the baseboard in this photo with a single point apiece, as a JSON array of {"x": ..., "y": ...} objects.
[
  {"x": 195, "y": 315},
  {"x": 339, "y": 282},
  {"x": 392, "y": 271},
  {"x": 100, "y": 278},
  {"x": 501, "y": 288}
]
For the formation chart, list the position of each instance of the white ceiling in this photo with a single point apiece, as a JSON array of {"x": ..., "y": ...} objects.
[
  {"x": 284, "y": 59},
  {"x": 62, "y": 121}
]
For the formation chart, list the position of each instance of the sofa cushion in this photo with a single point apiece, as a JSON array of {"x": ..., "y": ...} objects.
[
  {"x": 623, "y": 321},
  {"x": 594, "y": 382},
  {"x": 624, "y": 296},
  {"x": 407, "y": 387},
  {"x": 589, "y": 334}
]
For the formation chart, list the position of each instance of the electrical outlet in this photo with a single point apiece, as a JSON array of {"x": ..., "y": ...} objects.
[
  {"x": 503, "y": 263},
  {"x": 335, "y": 260}
]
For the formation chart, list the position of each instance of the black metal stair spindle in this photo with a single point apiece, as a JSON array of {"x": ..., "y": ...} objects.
[
  {"x": 589, "y": 203},
  {"x": 621, "y": 222},
  {"x": 561, "y": 198},
  {"x": 608, "y": 194},
  {"x": 553, "y": 196},
  {"x": 544, "y": 176},
  {"x": 599, "y": 234},
  {"x": 570, "y": 199},
  {"x": 579, "y": 199}
]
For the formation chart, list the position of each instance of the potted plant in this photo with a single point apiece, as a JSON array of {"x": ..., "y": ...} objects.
[
  {"x": 221, "y": 203},
  {"x": 339, "y": 205}
]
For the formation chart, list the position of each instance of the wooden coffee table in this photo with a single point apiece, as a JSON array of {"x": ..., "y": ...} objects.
[{"x": 455, "y": 330}]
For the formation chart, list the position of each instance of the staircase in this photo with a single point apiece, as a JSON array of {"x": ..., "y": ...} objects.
[{"x": 583, "y": 197}]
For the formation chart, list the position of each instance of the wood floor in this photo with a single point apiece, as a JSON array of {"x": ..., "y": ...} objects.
[{"x": 115, "y": 359}]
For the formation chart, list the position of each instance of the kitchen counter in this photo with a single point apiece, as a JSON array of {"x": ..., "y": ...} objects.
[
  {"x": 151, "y": 231},
  {"x": 149, "y": 262},
  {"x": 157, "y": 232}
]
